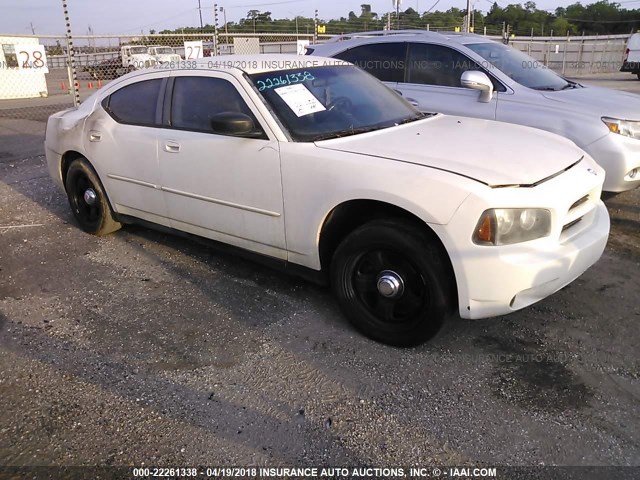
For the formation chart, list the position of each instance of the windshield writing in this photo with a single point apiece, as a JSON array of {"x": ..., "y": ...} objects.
[{"x": 281, "y": 80}]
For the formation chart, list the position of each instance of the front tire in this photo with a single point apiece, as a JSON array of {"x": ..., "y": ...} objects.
[
  {"x": 88, "y": 200},
  {"x": 393, "y": 282}
]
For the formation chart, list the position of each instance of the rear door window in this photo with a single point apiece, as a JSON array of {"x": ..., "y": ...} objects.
[{"x": 135, "y": 104}]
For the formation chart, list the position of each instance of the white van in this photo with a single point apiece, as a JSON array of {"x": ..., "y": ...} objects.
[{"x": 631, "y": 61}]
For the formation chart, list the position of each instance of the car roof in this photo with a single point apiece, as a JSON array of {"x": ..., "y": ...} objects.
[{"x": 384, "y": 36}]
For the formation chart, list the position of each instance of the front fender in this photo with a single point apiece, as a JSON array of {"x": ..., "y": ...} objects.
[{"x": 315, "y": 181}]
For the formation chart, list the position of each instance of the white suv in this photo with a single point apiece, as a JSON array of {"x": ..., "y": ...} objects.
[
  {"x": 474, "y": 76},
  {"x": 317, "y": 165}
]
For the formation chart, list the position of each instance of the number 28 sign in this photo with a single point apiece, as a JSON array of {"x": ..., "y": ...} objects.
[{"x": 32, "y": 58}]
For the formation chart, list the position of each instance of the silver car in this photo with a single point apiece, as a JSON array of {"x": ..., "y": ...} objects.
[{"x": 474, "y": 76}]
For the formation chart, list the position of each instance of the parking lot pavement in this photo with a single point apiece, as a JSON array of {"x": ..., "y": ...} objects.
[{"x": 144, "y": 347}]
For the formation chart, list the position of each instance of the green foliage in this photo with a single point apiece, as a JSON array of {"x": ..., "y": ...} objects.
[{"x": 602, "y": 17}]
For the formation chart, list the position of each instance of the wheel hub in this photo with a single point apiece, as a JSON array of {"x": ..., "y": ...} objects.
[
  {"x": 390, "y": 284},
  {"x": 90, "y": 196}
]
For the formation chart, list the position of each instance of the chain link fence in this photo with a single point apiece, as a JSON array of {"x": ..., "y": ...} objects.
[{"x": 36, "y": 78}]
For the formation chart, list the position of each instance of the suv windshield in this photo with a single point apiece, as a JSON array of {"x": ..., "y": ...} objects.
[
  {"x": 163, "y": 50},
  {"x": 519, "y": 66},
  {"x": 331, "y": 101}
]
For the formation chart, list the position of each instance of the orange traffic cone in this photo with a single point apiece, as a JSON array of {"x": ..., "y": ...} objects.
[
  {"x": 90, "y": 85},
  {"x": 99, "y": 83},
  {"x": 63, "y": 86}
]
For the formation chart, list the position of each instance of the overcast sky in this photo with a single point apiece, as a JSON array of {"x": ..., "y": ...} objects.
[{"x": 134, "y": 16}]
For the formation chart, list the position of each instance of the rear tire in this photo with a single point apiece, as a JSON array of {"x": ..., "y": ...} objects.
[
  {"x": 393, "y": 282},
  {"x": 88, "y": 200}
]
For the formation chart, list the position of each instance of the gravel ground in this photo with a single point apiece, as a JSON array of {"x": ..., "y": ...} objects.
[{"x": 143, "y": 348}]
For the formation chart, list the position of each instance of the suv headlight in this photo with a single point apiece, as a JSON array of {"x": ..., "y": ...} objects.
[
  {"x": 505, "y": 226},
  {"x": 627, "y": 128}
]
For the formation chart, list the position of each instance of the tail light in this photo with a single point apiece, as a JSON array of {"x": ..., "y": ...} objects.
[{"x": 626, "y": 54}]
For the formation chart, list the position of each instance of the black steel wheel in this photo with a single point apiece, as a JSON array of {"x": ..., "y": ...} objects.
[
  {"x": 393, "y": 282},
  {"x": 87, "y": 199}
]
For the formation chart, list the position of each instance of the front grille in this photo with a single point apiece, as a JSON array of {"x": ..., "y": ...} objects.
[
  {"x": 579, "y": 213},
  {"x": 571, "y": 224}
]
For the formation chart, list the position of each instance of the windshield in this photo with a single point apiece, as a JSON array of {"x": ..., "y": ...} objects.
[
  {"x": 138, "y": 50},
  {"x": 163, "y": 50},
  {"x": 519, "y": 66},
  {"x": 331, "y": 101}
]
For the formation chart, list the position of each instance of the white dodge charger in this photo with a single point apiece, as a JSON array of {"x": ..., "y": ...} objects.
[{"x": 316, "y": 164}]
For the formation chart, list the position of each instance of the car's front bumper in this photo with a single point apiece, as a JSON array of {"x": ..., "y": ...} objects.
[
  {"x": 508, "y": 279},
  {"x": 497, "y": 280},
  {"x": 619, "y": 156}
]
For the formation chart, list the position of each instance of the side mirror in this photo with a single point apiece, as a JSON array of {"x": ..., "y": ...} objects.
[
  {"x": 478, "y": 81},
  {"x": 234, "y": 123}
]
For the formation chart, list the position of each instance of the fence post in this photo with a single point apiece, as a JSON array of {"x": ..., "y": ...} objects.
[
  {"x": 593, "y": 56},
  {"x": 315, "y": 27},
  {"x": 604, "y": 55},
  {"x": 71, "y": 67},
  {"x": 564, "y": 53},
  {"x": 579, "y": 63},
  {"x": 546, "y": 54},
  {"x": 216, "y": 39}
]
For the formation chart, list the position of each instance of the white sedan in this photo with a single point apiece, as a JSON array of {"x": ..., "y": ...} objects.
[{"x": 315, "y": 163}]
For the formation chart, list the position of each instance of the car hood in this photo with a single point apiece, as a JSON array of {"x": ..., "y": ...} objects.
[
  {"x": 599, "y": 101},
  {"x": 494, "y": 153}
]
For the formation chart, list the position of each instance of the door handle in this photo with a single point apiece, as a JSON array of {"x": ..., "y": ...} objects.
[
  {"x": 171, "y": 146},
  {"x": 95, "y": 136}
]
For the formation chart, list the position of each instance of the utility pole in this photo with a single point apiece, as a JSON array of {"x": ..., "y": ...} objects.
[
  {"x": 224, "y": 13},
  {"x": 397, "y": 3},
  {"x": 315, "y": 27},
  {"x": 200, "y": 11},
  {"x": 468, "y": 20},
  {"x": 216, "y": 39},
  {"x": 71, "y": 61}
]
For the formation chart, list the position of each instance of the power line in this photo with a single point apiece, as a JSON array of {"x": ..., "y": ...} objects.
[{"x": 433, "y": 6}]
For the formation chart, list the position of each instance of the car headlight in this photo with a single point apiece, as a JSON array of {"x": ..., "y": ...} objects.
[
  {"x": 627, "y": 128},
  {"x": 505, "y": 226}
]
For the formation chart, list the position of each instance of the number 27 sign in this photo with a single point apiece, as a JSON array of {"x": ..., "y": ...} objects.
[{"x": 32, "y": 57}]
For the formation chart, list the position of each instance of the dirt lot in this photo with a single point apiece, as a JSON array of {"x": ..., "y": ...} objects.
[{"x": 146, "y": 348}]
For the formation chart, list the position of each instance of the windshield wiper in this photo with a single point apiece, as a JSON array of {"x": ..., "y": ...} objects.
[
  {"x": 571, "y": 85},
  {"x": 419, "y": 116}
]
